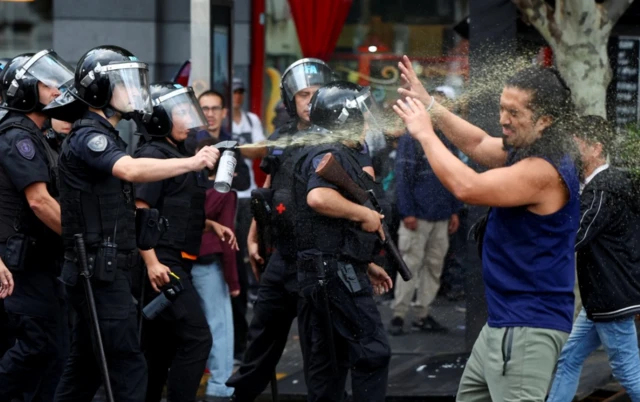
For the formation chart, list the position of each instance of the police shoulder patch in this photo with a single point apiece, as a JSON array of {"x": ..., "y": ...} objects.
[
  {"x": 26, "y": 148},
  {"x": 98, "y": 143}
]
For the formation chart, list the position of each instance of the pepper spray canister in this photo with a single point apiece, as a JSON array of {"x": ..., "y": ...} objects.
[{"x": 226, "y": 169}]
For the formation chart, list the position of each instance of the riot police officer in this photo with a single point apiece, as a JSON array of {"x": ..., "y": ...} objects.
[
  {"x": 55, "y": 132},
  {"x": 179, "y": 338},
  {"x": 335, "y": 244},
  {"x": 277, "y": 301},
  {"x": 97, "y": 201},
  {"x": 30, "y": 228},
  {"x": 3, "y": 64},
  {"x": 6, "y": 337}
]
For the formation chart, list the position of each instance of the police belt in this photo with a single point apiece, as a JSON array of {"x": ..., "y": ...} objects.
[
  {"x": 126, "y": 261},
  {"x": 306, "y": 265}
]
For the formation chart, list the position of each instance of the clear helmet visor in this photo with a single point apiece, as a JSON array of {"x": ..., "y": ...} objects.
[
  {"x": 370, "y": 110},
  {"x": 183, "y": 110},
  {"x": 130, "y": 88},
  {"x": 48, "y": 68},
  {"x": 304, "y": 75}
]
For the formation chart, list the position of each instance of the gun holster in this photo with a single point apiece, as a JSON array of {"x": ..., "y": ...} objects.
[
  {"x": 349, "y": 277},
  {"x": 150, "y": 227},
  {"x": 261, "y": 206},
  {"x": 261, "y": 209},
  {"x": 17, "y": 249}
]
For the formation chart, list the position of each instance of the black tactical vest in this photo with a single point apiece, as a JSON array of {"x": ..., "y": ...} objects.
[
  {"x": 313, "y": 231},
  {"x": 283, "y": 206},
  {"x": 183, "y": 208},
  {"x": 101, "y": 208},
  {"x": 15, "y": 214}
]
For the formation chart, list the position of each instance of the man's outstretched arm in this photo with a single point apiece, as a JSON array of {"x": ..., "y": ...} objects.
[{"x": 471, "y": 140}]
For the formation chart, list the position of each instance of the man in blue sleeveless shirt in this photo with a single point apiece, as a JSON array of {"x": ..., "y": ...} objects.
[{"x": 528, "y": 248}]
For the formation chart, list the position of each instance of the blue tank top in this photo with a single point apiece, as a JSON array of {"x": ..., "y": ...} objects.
[{"x": 528, "y": 262}]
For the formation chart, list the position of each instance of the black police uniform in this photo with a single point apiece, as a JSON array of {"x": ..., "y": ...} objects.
[
  {"x": 32, "y": 252},
  {"x": 277, "y": 302},
  {"x": 101, "y": 207},
  {"x": 353, "y": 321},
  {"x": 178, "y": 341}
]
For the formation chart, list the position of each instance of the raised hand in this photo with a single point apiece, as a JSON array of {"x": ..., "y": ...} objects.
[
  {"x": 415, "y": 117},
  {"x": 409, "y": 76}
]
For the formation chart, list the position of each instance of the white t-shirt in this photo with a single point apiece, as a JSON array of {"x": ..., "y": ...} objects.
[{"x": 249, "y": 131}]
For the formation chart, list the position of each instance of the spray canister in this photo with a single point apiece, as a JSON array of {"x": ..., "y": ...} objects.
[{"x": 226, "y": 169}]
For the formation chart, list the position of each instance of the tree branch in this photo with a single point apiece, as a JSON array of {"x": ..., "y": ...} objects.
[
  {"x": 613, "y": 10},
  {"x": 575, "y": 10},
  {"x": 540, "y": 15}
]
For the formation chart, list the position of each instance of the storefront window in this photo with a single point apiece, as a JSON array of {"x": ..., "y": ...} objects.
[
  {"x": 374, "y": 37},
  {"x": 25, "y": 27}
]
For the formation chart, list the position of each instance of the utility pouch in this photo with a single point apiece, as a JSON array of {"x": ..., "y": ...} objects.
[
  {"x": 16, "y": 250},
  {"x": 150, "y": 227},
  {"x": 106, "y": 262},
  {"x": 348, "y": 276}
]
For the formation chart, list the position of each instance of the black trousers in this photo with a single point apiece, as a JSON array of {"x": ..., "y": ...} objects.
[
  {"x": 31, "y": 366},
  {"x": 117, "y": 315},
  {"x": 7, "y": 337},
  {"x": 239, "y": 303},
  {"x": 360, "y": 342},
  {"x": 176, "y": 344},
  {"x": 274, "y": 311}
]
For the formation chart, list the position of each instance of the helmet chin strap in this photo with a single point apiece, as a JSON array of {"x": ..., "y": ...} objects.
[
  {"x": 110, "y": 111},
  {"x": 39, "y": 107}
]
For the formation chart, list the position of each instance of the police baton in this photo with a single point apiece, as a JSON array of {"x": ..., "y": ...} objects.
[
  {"x": 331, "y": 170},
  {"x": 93, "y": 313}
]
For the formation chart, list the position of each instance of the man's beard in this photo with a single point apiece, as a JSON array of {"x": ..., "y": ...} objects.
[{"x": 505, "y": 144}]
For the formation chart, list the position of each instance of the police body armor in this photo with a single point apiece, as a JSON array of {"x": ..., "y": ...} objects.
[
  {"x": 317, "y": 232},
  {"x": 184, "y": 208},
  {"x": 283, "y": 209},
  {"x": 26, "y": 238},
  {"x": 102, "y": 210}
]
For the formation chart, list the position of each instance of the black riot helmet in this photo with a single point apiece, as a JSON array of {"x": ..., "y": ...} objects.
[
  {"x": 111, "y": 78},
  {"x": 3, "y": 64},
  {"x": 343, "y": 105},
  {"x": 21, "y": 76},
  {"x": 174, "y": 106},
  {"x": 302, "y": 74}
]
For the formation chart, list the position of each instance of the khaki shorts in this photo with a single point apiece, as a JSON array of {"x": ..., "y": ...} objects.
[{"x": 511, "y": 364}]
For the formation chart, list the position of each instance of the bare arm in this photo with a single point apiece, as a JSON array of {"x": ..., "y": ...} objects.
[
  {"x": 44, "y": 206},
  {"x": 328, "y": 202},
  {"x": 524, "y": 183},
  {"x": 472, "y": 140},
  {"x": 143, "y": 170}
]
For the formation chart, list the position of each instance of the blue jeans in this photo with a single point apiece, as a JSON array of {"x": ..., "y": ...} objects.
[
  {"x": 208, "y": 280},
  {"x": 620, "y": 341}
]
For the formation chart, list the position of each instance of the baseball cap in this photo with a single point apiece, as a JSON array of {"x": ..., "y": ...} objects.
[{"x": 238, "y": 84}]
